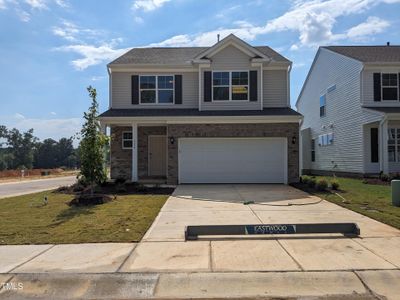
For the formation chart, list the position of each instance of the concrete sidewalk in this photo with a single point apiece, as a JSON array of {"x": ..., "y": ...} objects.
[{"x": 164, "y": 266}]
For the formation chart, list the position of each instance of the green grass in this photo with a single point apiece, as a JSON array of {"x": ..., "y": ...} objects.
[
  {"x": 25, "y": 220},
  {"x": 370, "y": 200}
]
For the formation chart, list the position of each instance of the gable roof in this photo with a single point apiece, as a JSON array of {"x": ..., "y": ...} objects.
[
  {"x": 369, "y": 54},
  {"x": 179, "y": 55}
]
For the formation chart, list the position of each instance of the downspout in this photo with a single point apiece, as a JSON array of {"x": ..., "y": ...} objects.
[{"x": 300, "y": 148}]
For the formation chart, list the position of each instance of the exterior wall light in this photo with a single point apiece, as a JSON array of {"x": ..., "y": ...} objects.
[
  {"x": 294, "y": 139},
  {"x": 172, "y": 140}
]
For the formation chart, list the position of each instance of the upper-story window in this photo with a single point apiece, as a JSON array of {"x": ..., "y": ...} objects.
[
  {"x": 156, "y": 89},
  {"x": 230, "y": 86},
  {"x": 322, "y": 105},
  {"x": 390, "y": 86}
]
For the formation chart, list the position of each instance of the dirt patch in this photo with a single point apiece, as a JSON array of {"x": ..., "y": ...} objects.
[{"x": 88, "y": 200}]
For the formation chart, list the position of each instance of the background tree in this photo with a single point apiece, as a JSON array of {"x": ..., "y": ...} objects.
[
  {"x": 21, "y": 147},
  {"x": 92, "y": 145}
]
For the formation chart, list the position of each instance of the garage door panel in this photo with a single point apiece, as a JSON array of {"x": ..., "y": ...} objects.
[{"x": 232, "y": 160}]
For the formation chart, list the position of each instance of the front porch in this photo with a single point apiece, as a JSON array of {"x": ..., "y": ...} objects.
[
  {"x": 148, "y": 144},
  {"x": 382, "y": 146}
]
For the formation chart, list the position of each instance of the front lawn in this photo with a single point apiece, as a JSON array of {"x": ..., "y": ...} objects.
[
  {"x": 25, "y": 220},
  {"x": 371, "y": 200}
]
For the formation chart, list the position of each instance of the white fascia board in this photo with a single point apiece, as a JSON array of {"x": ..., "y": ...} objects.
[
  {"x": 154, "y": 68},
  {"x": 201, "y": 120}
]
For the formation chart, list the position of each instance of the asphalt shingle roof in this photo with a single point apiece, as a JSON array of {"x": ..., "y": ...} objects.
[
  {"x": 177, "y": 55},
  {"x": 189, "y": 112},
  {"x": 369, "y": 54}
]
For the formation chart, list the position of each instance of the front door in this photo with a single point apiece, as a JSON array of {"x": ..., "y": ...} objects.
[{"x": 157, "y": 155}]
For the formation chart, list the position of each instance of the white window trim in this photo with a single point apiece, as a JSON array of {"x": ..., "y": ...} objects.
[
  {"x": 319, "y": 105},
  {"x": 390, "y": 86},
  {"x": 123, "y": 139},
  {"x": 157, "y": 89},
  {"x": 230, "y": 85}
]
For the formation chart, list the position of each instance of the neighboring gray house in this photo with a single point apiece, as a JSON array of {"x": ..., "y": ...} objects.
[
  {"x": 217, "y": 114},
  {"x": 351, "y": 106}
]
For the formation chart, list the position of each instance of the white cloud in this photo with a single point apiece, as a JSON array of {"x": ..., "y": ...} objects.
[
  {"x": 44, "y": 128},
  {"x": 3, "y": 4},
  {"x": 138, "y": 20},
  {"x": 97, "y": 78},
  {"x": 62, "y": 3},
  {"x": 92, "y": 55},
  {"x": 73, "y": 33},
  {"x": 148, "y": 5},
  {"x": 371, "y": 26},
  {"x": 37, "y": 4},
  {"x": 53, "y": 113},
  {"x": 313, "y": 20},
  {"x": 23, "y": 15}
]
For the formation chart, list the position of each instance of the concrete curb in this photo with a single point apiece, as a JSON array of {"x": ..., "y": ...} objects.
[{"x": 252, "y": 285}]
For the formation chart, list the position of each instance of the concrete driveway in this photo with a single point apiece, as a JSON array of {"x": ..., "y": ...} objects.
[
  {"x": 163, "y": 265},
  {"x": 10, "y": 189}
]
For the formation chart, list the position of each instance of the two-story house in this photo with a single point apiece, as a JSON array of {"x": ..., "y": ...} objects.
[
  {"x": 218, "y": 114},
  {"x": 351, "y": 106}
]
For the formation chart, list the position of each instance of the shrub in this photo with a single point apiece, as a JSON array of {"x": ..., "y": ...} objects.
[
  {"x": 321, "y": 185},
  {"x": 335, "y": 184},
  {"x": 385, "y": 177},
  {"x": 311, "y": 182},
  {"x": 120, "y": 180},
  {"x": 121, "y": 188},
  {"x": 304, "y": 179}
]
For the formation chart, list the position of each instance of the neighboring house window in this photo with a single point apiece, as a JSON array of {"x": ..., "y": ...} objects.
[
  {"x": 313, "y": 150},
  {"x": 322, "y": 105},
  {"x": 325, "y": 139},
  {"x": 156, "y": 89},
  {"x": 394, "y": 144},
  {"x": 390, "y": 86},
  {"x": 126, "y": 140},
  {"x": 230, "y": 86}
]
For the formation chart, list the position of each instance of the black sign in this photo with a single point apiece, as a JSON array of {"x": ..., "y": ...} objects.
[{"x": 270, "y": 229}]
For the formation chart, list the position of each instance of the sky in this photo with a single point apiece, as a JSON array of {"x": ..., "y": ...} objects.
[{"x": 51, "y": 50}]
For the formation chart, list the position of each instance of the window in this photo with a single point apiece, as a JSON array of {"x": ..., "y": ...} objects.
[
  {"x": 322, "y": 105},
  {"x": 313, "y": 150},
  {"x": 394, "y": 144},
  {"x": 240, "y": 85},
  {"x": 221, "y": 85},
  {"x": 325, "y": 139},
  {"x": 156, "y": 89},
  {"x": 390, "y": 86},
  {"x": 230, "y": 86},
  {"x": 126, "y": 140}
]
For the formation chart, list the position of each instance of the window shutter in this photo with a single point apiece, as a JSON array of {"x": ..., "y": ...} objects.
[
  {"x": 178, "y": 89},
  {"x": 398, "y": 81},
  {"x": 207, "y": 86},
  {"x": 253, "y": 86},
  {"x": 135, "y": 89},
  {"x": 374, "y": 145},
  {"x": 377, "y": 86}
]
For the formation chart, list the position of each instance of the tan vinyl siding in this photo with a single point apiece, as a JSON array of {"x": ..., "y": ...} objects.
[
  {"x": 121, "y": 90},
  {"x": 368, "y": 86},
  {"x": 275, "y": 88},
  {"x": 344, "y": 115}
]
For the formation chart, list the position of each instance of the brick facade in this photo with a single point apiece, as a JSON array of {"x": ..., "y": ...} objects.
[
  {"x": 121, "y": 159},
  {"x": 288, "y": 130}
]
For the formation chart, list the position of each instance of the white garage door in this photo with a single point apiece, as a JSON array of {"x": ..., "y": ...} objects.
[{"x": 232, "y": 160}]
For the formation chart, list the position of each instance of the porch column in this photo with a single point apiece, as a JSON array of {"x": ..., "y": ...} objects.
[
  {"x": 134, "y": 152},
  {"x": 384, "y": 152}
]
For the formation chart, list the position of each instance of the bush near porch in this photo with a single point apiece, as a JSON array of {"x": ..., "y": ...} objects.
[
  {"x": 371, "y": 200},
  {"x": 27, "y": 220}
]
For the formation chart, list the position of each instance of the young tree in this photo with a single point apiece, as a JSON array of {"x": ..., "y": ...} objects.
[{"x": 92, "y": 145}]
